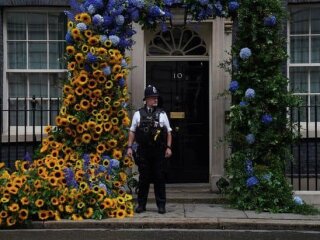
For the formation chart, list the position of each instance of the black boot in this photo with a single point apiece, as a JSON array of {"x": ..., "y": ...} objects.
[
  {"x": 161, "y": 210},
  {"x": 140, "y": 209}
]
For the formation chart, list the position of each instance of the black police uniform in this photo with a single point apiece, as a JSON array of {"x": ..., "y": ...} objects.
[{"x": 151, "y": 139}]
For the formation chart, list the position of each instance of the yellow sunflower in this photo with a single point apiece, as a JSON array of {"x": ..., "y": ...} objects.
[
  {"x": 11, "y": 221},
  {"x": 39, "y": 203},
  {"x": 84, "y": 104},
  {"x": 120, "y": 213},
  {"x": 43, "y": 214},
  {"x": 23, "y": 214},
  {"x": 14, "y": 207},
  {"x": 85, "y": 17},
  {"x": 86, "y": 138},
  {"x": 88, "y": 33},
  {"x": 70, "y": 50},
  {"x": 109, "y": 84},
  {"x": 85, "y": 48},
  {"x": 93, "y": 40},
  {"x": 88, "y": 213},
  {"x": 24, "y": 201}
]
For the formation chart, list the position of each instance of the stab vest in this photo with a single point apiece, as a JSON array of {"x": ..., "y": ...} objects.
[{"x": 149, "y": 132}]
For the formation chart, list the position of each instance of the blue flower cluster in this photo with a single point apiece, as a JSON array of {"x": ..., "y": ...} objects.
[
  {"x": 250, "y": 93},
  {"x": 245, "y": 53},
  {"x": 250, "y": 138},
  {"x": 270, "y": 21},
  {"x": 266, "y": 119},
  {"x": 252, "y": 181},
  {"x": 234, "y": 85}
]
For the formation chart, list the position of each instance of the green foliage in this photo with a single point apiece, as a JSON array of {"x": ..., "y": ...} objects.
[{"x": 256, "y": 167}]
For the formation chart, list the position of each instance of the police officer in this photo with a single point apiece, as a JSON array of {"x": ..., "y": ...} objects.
[{"x": 150, "y": 128}]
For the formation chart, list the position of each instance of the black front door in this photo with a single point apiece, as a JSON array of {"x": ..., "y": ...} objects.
[{"x": 184, "y": 90}]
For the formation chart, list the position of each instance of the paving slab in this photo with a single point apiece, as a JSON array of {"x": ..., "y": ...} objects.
[{"x": 211, "y": 211}]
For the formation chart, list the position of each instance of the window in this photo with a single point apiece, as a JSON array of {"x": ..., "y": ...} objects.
[
  {"x": 177, "y": 42},
  {"x": 33, "y": 48},
  {"x": 304, "y": 59}
]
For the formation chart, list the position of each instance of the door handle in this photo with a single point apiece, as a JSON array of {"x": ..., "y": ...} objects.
[{"x": 177, "y": 129}]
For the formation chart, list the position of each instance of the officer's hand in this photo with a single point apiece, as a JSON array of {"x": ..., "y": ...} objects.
[
  {"x": 129, "y": 152},
  {"x": 168, "y": 153}
]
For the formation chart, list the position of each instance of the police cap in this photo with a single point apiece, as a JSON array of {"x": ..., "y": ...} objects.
[{"x": 150, "y": 91}]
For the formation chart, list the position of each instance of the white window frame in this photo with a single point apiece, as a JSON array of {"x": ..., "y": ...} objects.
[
  {"x": 17, "y": 133},
  {"x": 307, "y": 129}
]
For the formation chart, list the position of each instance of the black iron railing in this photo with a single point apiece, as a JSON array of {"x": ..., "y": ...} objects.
[{"x": 22, "y": 123}]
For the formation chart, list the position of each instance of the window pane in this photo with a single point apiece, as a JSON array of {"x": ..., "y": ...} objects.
[
  {"x": 54, "y": 110},
  {"x": 38, "y": 85},
  {"x": 315, "y": 46},
  {"x": 299, "y": 113},
  {"x": 315, "y": 80},
  {"x": 37, "y": 26},
  {"x": 37, "y": 55},
  {"x": 16, "y": 25},
  {"x": 299, "y": 49},
  {"x": 299, "y": 23},
  {"x": 17, "y": 113},
  {"x": 17, "y": 57},
  {"x": 17, "y": 85},
  {"x": 55, "y": 84},
  {"x": 56, "y": 51},
  {"x": 57, "y": 26},
  {"x": 39, "y": 114},
  {"x": 299, "y": 79},
  {"x": 315, "y": 20},
  {"x": 314, "y": 108}
]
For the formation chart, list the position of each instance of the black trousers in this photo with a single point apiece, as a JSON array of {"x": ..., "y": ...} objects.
[{"x": 151, "y": 166}]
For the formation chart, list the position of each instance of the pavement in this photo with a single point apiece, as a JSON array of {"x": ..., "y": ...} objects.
[{"x": 192, "y": 213}]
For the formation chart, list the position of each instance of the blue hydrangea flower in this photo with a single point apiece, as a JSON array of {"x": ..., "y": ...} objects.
[
  {"x": 250, "y": 138},
  {"x": 124, "y": 63},
  {"x": 234, "y": 85},
  {"x": 91, "y": 58},
  {"x": 245, "y": 53},
  {"x": 136, "y": 3},
  {"x": 97, "y": 19},
  {"x": 119, "y": 20},
  {"x": 135, "y": 15},
  {"x": 122, "y": 82},
  {"x": 92, "y": 9},
  {"x": 155, "y": 11},
  {"x": 233, "y": 6},
  {"x": 250, "y": 93},
  {"x": 70, "y": 15},
  {"x": 249, "y": 167},
  {"x": 114, "y": 163},
  {"x": 114, "y": 39},
  {"x": 69, "y": 38},
  {"x": 297, "y": 200},
  {"x": 266, "y": 119},
  {"x": 107, "y": 70},
  {"x": 270, "y": 21},
  {"x": 103, "y": 38},
  {"x": 252, "y": 181},
  {"x": 100, "y": 169},
  {"x": 27, "y": 157},
  {"x": 218, "y": 8},
  {"x": 203, "y": 2},
  {"x": 107, "y": 20},
  {"x": 243, "y": 104},
  {"x": 82, "y": 26}
]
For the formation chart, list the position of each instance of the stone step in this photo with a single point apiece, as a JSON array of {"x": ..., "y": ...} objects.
[{"x": 189, "y": 193}]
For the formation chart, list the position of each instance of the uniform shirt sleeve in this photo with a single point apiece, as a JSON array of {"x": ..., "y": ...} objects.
[
  {"x": 135, "y": 121},
  {"x": 165, "y": 121}
]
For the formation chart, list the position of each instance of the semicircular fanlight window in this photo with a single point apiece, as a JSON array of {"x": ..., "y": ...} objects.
[{"x": 177, "y": 42}]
